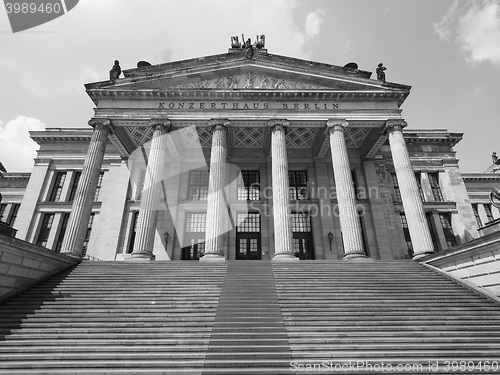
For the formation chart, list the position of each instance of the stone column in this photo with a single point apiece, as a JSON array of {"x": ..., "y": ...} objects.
[
  {"x": 150, "y": 198},
  {"x": 85, "y": 192},
  {"x": 217, "y": 210},
  {"x": 283, "y": 236},
  {"x": 412, "y": 203},
  {"x": 348, "y": 216}
]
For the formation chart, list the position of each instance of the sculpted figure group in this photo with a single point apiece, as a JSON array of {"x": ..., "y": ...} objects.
[{"x": 260, "y": 42}]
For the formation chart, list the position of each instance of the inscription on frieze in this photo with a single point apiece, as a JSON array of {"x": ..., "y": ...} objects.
[{"x": 244, "y": 106}]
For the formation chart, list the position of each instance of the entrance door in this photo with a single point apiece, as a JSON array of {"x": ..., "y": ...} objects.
[
  {"x": 194, "y": 251},
  {"x": 248, "y": 246},
  {"x": 302, "y": 245},
  {"x": 302, "y": 235}
]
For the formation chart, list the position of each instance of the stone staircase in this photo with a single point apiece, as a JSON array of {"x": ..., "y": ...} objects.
[{"x": 249, "y": 317}]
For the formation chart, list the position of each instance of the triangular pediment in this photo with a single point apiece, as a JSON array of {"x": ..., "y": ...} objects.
[{"x": 233, "y": 71}]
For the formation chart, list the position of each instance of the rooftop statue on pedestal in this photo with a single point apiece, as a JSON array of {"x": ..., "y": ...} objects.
[
  {"x": 380, "y": 72},
  {"x": 115, "y": 71},
  {"x": 495, "y": 158},
  {"x": 495, "y": 167}
]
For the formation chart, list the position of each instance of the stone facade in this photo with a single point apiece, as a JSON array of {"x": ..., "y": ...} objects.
[{"x": 241, "y": 134}]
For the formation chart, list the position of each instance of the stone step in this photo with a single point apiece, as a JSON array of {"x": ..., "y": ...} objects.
[{"x": 243, "y": 318}]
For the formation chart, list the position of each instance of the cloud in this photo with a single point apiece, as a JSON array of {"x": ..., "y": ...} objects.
[
  {"x": 17, "y": 149},
  {"x": 445, "y": 26},
  {"x": 475, "y": 27},
  {"x": 313, "y": 23},
  {"x": 55, "y": 64}
]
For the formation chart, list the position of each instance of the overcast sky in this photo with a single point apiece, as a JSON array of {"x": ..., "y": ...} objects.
[{"x": 447, "y": 50}]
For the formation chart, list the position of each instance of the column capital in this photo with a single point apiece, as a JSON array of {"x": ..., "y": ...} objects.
[
  {"x": 100, "y": 123},
  {"x": 278, "y": 125},
  {"x": 336, "y": 124},
  {"x": 219, "y": 124},
  {"x": 395, "y": 125},
  {"x": 160, "y": 124}
]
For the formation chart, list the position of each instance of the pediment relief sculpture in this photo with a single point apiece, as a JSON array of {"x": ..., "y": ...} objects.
[{"x": 249, "y": 81}]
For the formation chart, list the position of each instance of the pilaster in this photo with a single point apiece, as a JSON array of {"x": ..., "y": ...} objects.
[{"x": 25, "y": 217}]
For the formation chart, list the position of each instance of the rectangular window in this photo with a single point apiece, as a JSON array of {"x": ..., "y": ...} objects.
[
  {"x": 418, "y": 177},
  {"x": 3, "y": 209},
  {"x": 58, "y": 186},
  {"x": 489, "y": 214},
  {"x": 98, "y": 189},
  {"x": 406, "y": 232},
  {"x": 449, "y": 236},
  {"x": 395, "y": 186},
  {"x": 196, "y": 222},
  {"x": 74, "y": 185},
  {"x": 475, "y": 209},
  {"x": 62, "y": 232},
  {"x": 436, "y": 190},
  {"x": 248, "y": 222},
  {"x": 43, "y": 235},
  {"x": 298, "y": 185},
  {"x": 301, "y": 222},
  {"x": 133, "y": 231},
  {"x": 13, "y": 214},
  {"x": 87, "y": 234},
  {"x": 198, "y": 185},
  {"x": 250, "y": 189}
]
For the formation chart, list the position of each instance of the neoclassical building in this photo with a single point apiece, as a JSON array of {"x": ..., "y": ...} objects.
[{"x": 247, "y": 156}]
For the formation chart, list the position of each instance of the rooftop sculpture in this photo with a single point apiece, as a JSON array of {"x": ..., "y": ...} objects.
[
  {"x": 380, "y": 72},
  {"x": 115, "y": 71},
  {"x": 260, "y": 42}
]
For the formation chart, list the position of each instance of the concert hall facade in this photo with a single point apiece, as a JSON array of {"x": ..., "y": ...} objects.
[{"x": 247, "y": 156}]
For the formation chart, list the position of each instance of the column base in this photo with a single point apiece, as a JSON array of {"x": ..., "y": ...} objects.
[
  {"x": 357, "y": 257},
  {"x": 140, "y": 257},
  {"x": 213, "y": 257},
  {"x": 285, "y": 257},
  {"x": 422, "y": 255}
]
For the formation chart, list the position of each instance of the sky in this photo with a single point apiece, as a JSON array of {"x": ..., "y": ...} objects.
[{"x": 447, "y": 50}]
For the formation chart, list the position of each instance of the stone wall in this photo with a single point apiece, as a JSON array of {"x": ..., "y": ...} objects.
[
  {"x": 475, "y": 263},
  {"x": 23, "y": 265}
]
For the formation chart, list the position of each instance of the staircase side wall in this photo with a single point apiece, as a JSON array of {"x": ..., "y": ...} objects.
[
  {"x": 475, "y": 263},
  {"x": 23, "y": 265}
]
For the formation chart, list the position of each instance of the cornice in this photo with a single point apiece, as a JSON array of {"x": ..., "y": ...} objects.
[
  {"x": 59, "y": 138},
  {"x": 15, "y": 176},
  {"x": 198, "y": 94},
  {"x": 481, "y": 176},
  {"x": 451, "y": 139}
]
